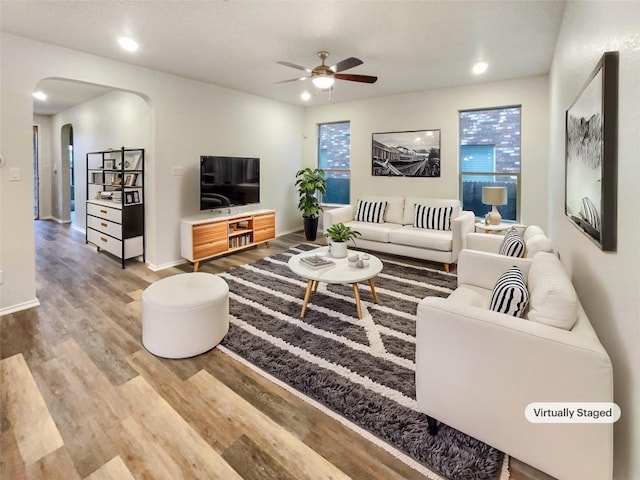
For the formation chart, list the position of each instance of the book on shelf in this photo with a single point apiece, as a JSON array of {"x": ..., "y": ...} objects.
[{"x": 315, "y": 261}]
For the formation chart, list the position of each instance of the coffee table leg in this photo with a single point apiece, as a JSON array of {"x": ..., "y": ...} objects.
[
  {"x": 315, "y": 286},
  {"x": 307, "y": 294},
  {"x": 356, "y": 293},
  {"x": 373, "y": 290}
]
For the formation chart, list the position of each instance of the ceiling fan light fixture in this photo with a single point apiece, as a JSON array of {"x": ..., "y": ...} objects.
[
  {"x": 305, "y": 96},
  {"x": 40, "y": 95},
  {"x": 323, "y": 82}
]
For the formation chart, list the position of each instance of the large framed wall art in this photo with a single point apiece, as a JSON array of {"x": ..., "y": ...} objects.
[
  {"x": 406, "y": 154},
  {"x": 591, "y": 155}
]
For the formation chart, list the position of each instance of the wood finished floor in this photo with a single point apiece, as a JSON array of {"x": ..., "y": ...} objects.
[{"x": 82, "y": 399}]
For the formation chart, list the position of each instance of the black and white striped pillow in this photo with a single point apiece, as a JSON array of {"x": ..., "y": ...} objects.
[
  {"x": 432, "y": 218},
  {"x": 510, "y": 294},
  {"x": 512, "y": 246},
  {"x": 513, "y": 231},
  {"x": 372, "y": 212},
  {"x": 590, "y": 213}
]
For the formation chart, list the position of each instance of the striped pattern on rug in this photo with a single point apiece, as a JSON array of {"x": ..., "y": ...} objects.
[{"x": 361, "y": 369}]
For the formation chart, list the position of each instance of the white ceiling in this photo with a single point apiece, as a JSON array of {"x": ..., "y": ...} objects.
[{"x": 409, "y": 45}]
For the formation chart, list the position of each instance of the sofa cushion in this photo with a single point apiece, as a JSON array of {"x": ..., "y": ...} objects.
[
  {"x": 512, "y": 246},
  {"x": 395, "y": 206},
  {"x": 372, "y": 212},
  {"x": 471, "y": 296},
  {"x": 376, "y": 232},
  {"x": 409, "y": 203},
  {"x": 553, "y": 298},
  {"x": 532, "y": 230},
  {"x": 441, "y": 240},
  {"x": 537, "y": 243},
  {"x": 510, "y": 295},
  {"x": 433, "y": 218}
]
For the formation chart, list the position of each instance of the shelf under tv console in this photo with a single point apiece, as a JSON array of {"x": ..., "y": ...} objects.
[{"x": 206, "y": 236}]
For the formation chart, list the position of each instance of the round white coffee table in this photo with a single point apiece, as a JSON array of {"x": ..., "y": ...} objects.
[{"x": 338, "y": 272}]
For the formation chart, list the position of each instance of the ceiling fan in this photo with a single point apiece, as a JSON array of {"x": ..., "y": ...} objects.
[{"x": 323, "y": 76}]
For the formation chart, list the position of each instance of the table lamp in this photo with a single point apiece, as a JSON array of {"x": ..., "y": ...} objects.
[{"x": 494, "y": 196}]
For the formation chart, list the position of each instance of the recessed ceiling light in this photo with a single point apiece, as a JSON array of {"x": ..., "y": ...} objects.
[
  {"x": 480, "y": 67},
  {"x": 128, "y": 44},
  {"x": 305, "y": 96},
  {"x": 39, "y": 95}
]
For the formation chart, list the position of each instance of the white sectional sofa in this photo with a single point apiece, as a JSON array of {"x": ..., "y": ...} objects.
[
  {"x": 477, "y": 369},
  {"x": 397, "y": 232}
]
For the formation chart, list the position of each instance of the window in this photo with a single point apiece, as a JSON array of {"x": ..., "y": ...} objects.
[
  {"x": 490, "y": 156},
  {"x": 334, "y": 157}
]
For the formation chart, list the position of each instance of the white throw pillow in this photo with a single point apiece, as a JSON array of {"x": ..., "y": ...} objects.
[
  {"x": 553, "y": 299},
  {"x": 510, "y": 293},
  {"x": 432, "y": 218},
  {"x": 538, "y": 243},
  {"x": 372, "y": 212}
]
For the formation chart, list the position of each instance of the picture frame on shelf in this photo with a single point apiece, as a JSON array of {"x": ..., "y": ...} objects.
[
  {"x": 129, "y": 198},
  {"x": 414, "y": 153},
  {"x": 136, "y": 196},
  {"x": 130, "y": 179},
  {"x": 591, "y": 155},
  {"x": 108, "y": 164}
]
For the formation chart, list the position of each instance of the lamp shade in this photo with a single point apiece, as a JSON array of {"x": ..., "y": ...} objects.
[{"x": 494, "y": 195}]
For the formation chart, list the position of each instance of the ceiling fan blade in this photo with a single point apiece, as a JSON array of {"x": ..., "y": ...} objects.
[
  {"x": 292, "y": 80},
  {"x": 346, "y": 64},
  {"x": 293, "y": 65},
  {"x": 356, "y": 78}
]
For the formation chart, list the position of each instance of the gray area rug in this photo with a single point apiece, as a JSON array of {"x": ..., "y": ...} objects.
[{"x": 361, "y": 369}]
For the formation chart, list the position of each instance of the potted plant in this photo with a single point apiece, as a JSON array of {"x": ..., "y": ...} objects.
[
  {"x": 340, "y": 234},
  {"x": 310, "y": 183}
]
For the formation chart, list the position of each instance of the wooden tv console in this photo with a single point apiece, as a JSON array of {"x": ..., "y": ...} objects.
[{"x": 203, "y": 236}]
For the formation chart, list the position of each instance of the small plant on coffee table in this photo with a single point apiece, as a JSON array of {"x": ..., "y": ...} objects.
[{"x": 339, "y": 232}]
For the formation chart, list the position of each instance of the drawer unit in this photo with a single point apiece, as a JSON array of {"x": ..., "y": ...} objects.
[
  {"x": 209, "y": 239},
  {"x": 102, "y": 211},
  {"x": 264, "y": 227},
  {"x": 105, "y": 226},
  {"x": 202, "y": 238},
  {"x": 133, "y": 247}
]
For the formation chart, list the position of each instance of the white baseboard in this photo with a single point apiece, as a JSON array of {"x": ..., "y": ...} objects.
[
  {"x": 19, "y": 306},
  {"x": 164, "y": 266}
]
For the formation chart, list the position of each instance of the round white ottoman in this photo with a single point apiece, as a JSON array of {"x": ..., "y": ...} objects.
[{"x": 185, "y": 315}]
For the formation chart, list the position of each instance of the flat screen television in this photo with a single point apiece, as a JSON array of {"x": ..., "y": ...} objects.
[{"x": 228, "y": 181}]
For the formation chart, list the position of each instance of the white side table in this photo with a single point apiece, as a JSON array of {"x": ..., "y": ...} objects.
[{"x": 494, "y": 228}]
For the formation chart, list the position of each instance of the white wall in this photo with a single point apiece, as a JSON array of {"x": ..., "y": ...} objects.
[
  {"x": 110, "y": 121},
  {"x": 189, "y": 119},
  {"x": 608, "y": 284},
  {"x": 438, "y": 109}
]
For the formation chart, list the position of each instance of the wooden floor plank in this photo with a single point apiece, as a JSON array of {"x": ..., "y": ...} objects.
[
  {"x": 250, "y": 461},
  {"x": 182, "y": 443},
  {"x": 36, "y": 433},
  {"x": 114, "y": 469},
  {"x": 11, "y": 464},
  {"x": 276, "y": 441},
  {"x": 57, "y": 464}
]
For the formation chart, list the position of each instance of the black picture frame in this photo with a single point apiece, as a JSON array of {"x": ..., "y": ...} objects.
[
  {"x": 129, "y": 198},
  {"x": 414, "y": 153},
  {"x": 591, "y": 155}
]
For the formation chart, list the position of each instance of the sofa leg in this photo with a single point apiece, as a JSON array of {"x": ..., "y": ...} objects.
[
  {"x": 432, "y": 425},
  {"x": 446, "y": 267}
]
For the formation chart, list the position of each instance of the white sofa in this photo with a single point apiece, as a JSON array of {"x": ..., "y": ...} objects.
[
  {"x": 534, "y": 238},
  {"x": 477, "y": 370},
  {"x": 397, "y": 234}
]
